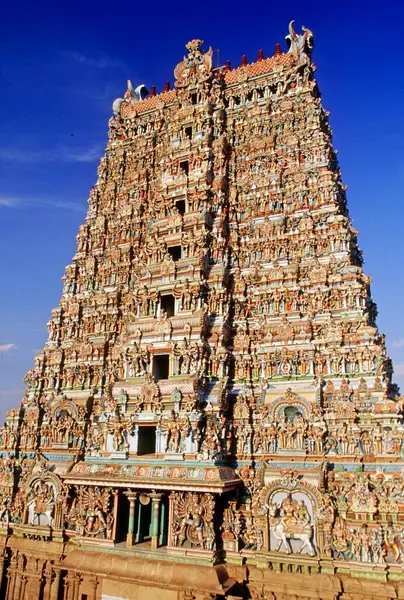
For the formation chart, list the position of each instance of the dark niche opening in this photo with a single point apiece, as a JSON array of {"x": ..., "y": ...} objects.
[
  {"x": 161, "y": 366},
  {"x": 175, "y": 252},
  {"x": 184, "y": 166},
  {"x": 146, "y": 441},
  {"x": 167, "y": 303},
  {"x": 180, "y": 205}
]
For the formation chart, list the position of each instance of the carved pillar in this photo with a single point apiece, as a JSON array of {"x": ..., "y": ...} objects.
[
  {"x": 77, "y": 582},
  {"x": 48, "y": 574},
  {"x": 66, "y": 586},
  {"x": 115, "y": 509},
  {"x": 57, "y": 521},
  {"x": 130, "y": 537},
  {"x": 70, "y": 586},
  {"x": 18, "y": 585},
  {"x": 156, "y": 499},
  {"x": 31, "y": 588},
  {"x": 170, "y": 541},
  {"x": 1, "y": 571},
  {"x": 11, "y": 577},
  {"x": 93, "y": 588},
  {"x": 135, "y": 438},
  {"x": 159, "y": 438},
  {"x": 33, "y": 580},
  {"x": 54, "y": 592},
  {"x": 139, "y": 524},
  {"x": 162, "y": 536}
]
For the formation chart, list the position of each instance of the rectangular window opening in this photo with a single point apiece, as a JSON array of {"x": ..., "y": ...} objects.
[
  {"x": 184, "y": 166},
  {"x": 167, "y": 304},
  {"x": 180, "y": 205},
  {"x": 194, "y": 98},
  {"x": 161, "y": 366},
  {"x": 188, "y": 132},
  {"x": 146, "y": 441},
  {"x": 175, "y": 252}
]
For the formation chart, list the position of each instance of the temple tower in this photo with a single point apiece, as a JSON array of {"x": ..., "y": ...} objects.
[{"x": 214, "y": 389}]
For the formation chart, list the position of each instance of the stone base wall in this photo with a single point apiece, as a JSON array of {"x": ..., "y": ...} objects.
[{"x": 37, "y": 570}]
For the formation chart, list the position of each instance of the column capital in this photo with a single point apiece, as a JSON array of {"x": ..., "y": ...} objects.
[
  {"x": 155, "y": 496},
  {"x": 131, "y": 496}
]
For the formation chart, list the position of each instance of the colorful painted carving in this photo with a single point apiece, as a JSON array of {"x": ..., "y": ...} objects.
[{"x": 214, "y": 381}]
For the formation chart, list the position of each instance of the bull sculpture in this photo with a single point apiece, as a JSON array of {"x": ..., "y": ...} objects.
[
  {"x": 302, "y": 44},
  {"x": 132, "y": 95}
]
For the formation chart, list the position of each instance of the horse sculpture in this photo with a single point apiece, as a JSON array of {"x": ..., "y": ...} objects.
[{"x": 296, "y": 529}]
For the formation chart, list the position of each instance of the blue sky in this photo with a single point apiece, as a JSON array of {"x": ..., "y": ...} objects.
[{"x": 62, "y": 65}]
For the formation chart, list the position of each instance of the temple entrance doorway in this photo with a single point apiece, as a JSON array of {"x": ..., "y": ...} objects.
[{"x": 150, "y": 523}]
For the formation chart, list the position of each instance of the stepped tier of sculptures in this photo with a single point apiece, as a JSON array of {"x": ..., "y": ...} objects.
[{"x": 214, "y": 388}]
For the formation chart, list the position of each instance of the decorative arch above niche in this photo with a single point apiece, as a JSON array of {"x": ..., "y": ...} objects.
[
  {"x": 65, "y": 404},
  {"x": 292, "y": 513},
  {"x": 43, "y": 494},
  {"x": 276, "y": 408}
]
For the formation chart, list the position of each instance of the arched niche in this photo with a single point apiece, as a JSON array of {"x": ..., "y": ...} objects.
[
  {"x": 288, "y": 405},
  {"x": 291, "y": 513},
  {"x": 42, "y": 492},
  {"x": 64, "y": 407}
]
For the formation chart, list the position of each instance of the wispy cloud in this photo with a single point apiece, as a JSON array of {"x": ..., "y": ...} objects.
[
  {"x": 9, "y": 201},
  {"x": 26, "y": 202},
  {"x": 397, "y": 343},
  {"x": 58, "y": 154},
  {"x": 102, "y": 61},
  {"x": 76, "y": 206},
  {"x": 5, "y": 201},
  {"x": 6, "y": 347},
  {"x": 83, "y": 156}
]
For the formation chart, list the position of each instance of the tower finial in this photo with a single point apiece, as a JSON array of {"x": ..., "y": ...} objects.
[{"x": 194, "y": 68}]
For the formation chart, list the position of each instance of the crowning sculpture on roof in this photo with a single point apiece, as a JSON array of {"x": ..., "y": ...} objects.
[
  {"x": 300, "y": 44},
  {"x": 196, "y": 67},
  {"x": 213, "y": 413}
]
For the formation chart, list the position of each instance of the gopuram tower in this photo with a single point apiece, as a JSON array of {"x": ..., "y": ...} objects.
[{"x": 212, "y": 415}]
